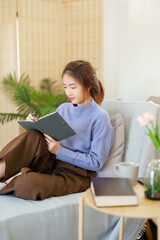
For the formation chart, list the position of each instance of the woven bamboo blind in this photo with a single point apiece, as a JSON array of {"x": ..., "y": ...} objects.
[
  {"x": 38, "y": 39},
  {"x": 8, "y": 62},
  {"x": 83, "y": 31},
  {"x": 54, "y": 32}
]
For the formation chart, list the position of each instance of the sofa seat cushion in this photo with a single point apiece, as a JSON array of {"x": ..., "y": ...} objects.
[{"x": 27, "y": 219}]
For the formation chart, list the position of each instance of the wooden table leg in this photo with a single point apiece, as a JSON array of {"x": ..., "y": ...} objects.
[
  {"x": 148, "y": 231},
  {"x": 158, "y": 229},
  {"x": 81, "y": 219},
  {"x": 121, "y": 228}
]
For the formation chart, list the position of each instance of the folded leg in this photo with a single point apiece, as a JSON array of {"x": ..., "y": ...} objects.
[
  {"x": 27, "y": 150},
  {"x": 38, "y": 186}
]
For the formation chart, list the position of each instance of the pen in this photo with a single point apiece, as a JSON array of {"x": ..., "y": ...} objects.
[{"x": 32, "y": 113}]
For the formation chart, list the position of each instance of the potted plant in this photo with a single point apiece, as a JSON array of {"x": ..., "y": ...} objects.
[
  {"x": 152, "y": 181},
  {"x": 27, "y": 98},
  {"x": 152, "y": 178}
]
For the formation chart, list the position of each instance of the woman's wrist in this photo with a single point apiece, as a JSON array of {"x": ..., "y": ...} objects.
[{"x": 56, "y": 148}]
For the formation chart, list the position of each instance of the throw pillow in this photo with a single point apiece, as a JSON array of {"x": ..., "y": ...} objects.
[{"x": 116, "y": 152}]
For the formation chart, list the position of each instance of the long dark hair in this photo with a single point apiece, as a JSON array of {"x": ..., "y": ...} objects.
[{"x": 83, "y": 72}]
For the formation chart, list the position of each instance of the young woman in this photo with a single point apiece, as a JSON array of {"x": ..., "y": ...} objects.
[{"x": 51, "y": 168}]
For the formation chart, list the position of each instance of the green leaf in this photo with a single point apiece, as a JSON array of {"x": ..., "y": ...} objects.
[
  {"x": 156, "y": 133},
  {"x": 26, "y": 97},
  {"x": 8, "y": 117},
  {"x": 154, "y": 140}
]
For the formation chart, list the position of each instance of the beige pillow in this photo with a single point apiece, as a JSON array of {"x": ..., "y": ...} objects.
[{"x": 116, "y": 152}]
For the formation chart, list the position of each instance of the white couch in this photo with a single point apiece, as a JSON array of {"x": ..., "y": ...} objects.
[{"x": 57, "y": 218}]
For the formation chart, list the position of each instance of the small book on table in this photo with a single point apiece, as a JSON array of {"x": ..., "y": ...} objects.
[{"x": 109, "y": 192}]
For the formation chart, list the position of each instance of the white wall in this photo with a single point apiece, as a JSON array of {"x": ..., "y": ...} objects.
[{"x": 132, "y": 49}]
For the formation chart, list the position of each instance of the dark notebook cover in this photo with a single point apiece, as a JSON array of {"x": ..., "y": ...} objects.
[
  {"x": 113, "y": 192},
  {"x": 52, "y": 124}
]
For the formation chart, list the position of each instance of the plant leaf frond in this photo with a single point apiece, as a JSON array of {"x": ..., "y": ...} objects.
[{"x": 8, "y": 117}]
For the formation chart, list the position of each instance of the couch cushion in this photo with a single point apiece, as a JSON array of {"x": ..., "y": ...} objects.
[{"x": 116, "y": 152}]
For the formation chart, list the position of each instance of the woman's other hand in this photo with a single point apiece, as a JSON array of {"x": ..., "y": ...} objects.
[
  {"x": 30, "y": 117},
  {"x": 52, "y": 145}
]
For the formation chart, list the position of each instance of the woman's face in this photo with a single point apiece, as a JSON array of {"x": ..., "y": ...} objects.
[{"x": 75, "y": 91}]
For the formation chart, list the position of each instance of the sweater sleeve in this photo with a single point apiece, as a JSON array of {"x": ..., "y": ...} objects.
[{"x": 101, "y": 142}]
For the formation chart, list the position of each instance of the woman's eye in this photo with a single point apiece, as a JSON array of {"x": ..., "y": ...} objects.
[{"x": 73, "y": 88}]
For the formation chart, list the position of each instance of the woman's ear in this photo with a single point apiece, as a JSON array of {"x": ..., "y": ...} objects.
[{"x": 89, "y": 88}]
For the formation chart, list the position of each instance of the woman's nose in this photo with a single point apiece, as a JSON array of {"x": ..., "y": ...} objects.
[{"x": 68, "y": 92}]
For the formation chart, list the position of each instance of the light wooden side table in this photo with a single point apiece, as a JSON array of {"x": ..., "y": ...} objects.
[{"x": 146, "y": 209}]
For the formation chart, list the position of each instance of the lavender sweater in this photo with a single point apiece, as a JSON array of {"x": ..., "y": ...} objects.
[{"x": 90, "y": 146}]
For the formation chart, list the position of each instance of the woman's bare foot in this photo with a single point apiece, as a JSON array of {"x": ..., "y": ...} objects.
[
  {"x": 11, "y": 178},
  {"x": 2, "y": 168}
]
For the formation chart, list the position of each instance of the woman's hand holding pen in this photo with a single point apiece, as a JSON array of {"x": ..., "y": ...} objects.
[
  {"x": 31, "y": 117},
  {"x": 52, "y": 145}
]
